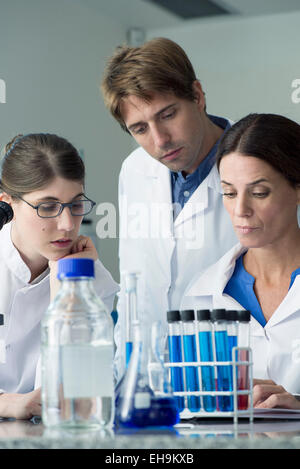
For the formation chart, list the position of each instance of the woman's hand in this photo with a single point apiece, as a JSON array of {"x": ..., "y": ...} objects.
[
  {"x": 82, "y": 248},
  {"x": 21, "y": 406},
  {"x": 267, "y": 395}
]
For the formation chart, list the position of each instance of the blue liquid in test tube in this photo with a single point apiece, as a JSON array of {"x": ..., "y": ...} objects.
[
  {"x": 128, "y": 352},
  {"x": 206, "y": 355},
  {"x": 175, "y": 355},
  {"x": 190, "y": 355},
  {"x": 224, "y": 372},
  {"x": 131, "y": 311}
]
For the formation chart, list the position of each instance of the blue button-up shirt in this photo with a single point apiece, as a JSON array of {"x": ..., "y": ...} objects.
[
  {"x": 241, "y": 288},
  {"x": 184, "y": 187}
]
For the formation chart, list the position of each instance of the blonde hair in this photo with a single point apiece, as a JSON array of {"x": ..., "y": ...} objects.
[{"x": 159, "y": 65}]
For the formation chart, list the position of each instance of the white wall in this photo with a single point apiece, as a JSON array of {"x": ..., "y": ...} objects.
[
  {"x": 244, "y": 64},
  {"x": 52, "y": 55}
]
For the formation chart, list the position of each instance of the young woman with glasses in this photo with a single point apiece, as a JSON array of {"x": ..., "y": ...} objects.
[{"x": 42, "y": 178}]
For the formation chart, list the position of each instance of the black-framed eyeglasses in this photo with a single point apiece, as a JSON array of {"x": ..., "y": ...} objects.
[{"x": 78, "y": 208}]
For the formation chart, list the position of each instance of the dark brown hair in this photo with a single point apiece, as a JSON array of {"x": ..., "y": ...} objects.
[
  {"x": 159, "y": 65},
  {"x": 32, "y": 161},
  {"x": 270, "y": 137}
]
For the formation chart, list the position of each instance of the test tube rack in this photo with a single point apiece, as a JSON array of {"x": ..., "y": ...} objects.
[{"x": 236, "y": 413}]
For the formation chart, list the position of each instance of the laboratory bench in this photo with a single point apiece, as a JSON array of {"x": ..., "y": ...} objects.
[{"x": 188, "y": 435}]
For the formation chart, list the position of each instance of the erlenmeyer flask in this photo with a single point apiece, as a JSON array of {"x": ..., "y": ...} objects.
[
  {"x": 138, "y": 405},
  {"x": 163, "y": 400}
]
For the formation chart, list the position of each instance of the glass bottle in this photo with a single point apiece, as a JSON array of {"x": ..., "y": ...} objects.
[{"x": 77, "y": 352}]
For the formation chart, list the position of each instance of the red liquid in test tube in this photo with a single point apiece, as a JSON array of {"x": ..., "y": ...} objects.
[{"x": 243, "y": 380}]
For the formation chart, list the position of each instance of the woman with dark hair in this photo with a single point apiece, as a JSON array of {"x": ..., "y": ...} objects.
[
  {"x": 259, "y": 166},
  {"x": 42, "y": 178}
]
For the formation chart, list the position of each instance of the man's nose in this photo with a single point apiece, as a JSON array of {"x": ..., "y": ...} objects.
[{"x": 161, "y": 136}]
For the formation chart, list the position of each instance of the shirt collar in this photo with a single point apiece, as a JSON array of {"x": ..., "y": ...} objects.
[
  {"x": 11, "y": 256},
  {"x": 205, "y": 166}
]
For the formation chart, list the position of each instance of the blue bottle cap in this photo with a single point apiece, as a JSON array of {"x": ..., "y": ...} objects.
[{"x": 75, "y": 268}]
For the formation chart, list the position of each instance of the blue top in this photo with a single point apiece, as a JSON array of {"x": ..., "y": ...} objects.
[
  {"x": 240, "y": 287},
  {"x": 75, "y": 267},
  {"x": 184, "y": 187}
]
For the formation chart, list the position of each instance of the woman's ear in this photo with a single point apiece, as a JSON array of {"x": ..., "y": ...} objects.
[
  {"x": 4, "y": 197},
  {"x": 298, "y": 193}
]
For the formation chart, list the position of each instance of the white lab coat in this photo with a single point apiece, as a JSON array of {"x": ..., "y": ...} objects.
[
  {"x": 275, "y": 347},
  {"x": 166, "y": 253},
  {"x": 23, "y": 305}
]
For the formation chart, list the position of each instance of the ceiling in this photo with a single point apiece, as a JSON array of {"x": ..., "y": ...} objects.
[
  {"x": 151, "y": 14},
  {"x": 188, "y": 9}
]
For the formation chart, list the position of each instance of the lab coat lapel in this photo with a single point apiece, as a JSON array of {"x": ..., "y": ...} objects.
[
  {"x": 161, "y": 230},
  {"x": 227, "y": 302},
  {"x": 199, "y": 200},
  {"x": 159, "y": 197},
  {"x": 288, "y": 306}
]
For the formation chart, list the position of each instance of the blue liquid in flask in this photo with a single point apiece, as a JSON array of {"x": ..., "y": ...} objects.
[{"x": 161, "y": 412}]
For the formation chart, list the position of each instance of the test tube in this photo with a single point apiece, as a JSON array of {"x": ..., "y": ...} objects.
[
  {"x": 190, "y": 355},
  {"x": 206, "y": 355},
  {"x": 175, "y": 355},
  {"x": 243, "y": 380},
  {"x": 224, "y": 379},
  {"x": 131, "y": 311},
  {"x": 232, "y": 332}
]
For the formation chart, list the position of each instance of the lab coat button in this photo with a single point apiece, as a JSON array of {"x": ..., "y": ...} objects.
[{"x": 186, "y": 193}]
